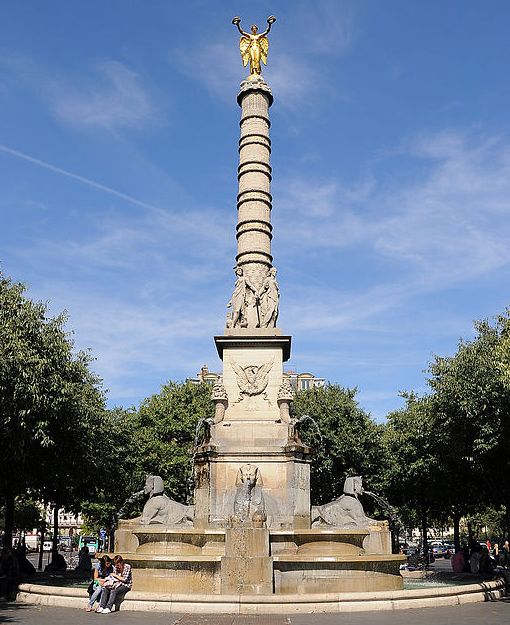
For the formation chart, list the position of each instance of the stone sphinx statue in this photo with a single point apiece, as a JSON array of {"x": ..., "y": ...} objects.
[
  {"x": 248, "y": 499},
  {"x": 160, "y": 509},
  {"x": 346, "y": 511}
]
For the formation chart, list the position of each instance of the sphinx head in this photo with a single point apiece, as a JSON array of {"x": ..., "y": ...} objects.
[
  {"x": 249, "y": 474},
  {"x": 353, "y": 486},
  {"x": 154, "y": 486}
]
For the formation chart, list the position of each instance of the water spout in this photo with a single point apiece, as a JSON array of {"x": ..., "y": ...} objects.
[
  {"x": 202, "y": 437},
  {"x": 392, "y": 513},
  {"x": 303, "y": 419},
  {"x": 133, "y": 497}
]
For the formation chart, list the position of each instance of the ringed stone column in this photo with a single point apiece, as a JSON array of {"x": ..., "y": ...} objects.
[{"x": 254, "y": 230}]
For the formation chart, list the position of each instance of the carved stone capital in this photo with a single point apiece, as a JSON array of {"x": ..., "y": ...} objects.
[
  {"x": 285, "y": 391},
  {"x": 218, "y": 392},
  {"x": 254, "y": 83}
]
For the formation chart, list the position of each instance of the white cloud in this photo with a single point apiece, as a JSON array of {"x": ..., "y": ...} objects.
[
  {"x": 112, "y": 98},
  {"x": 450, "y": 226},
  {"x": 215, "y": 64},
  {"x": 218, "y": 66},
  {"x": 326, "y": 29}
]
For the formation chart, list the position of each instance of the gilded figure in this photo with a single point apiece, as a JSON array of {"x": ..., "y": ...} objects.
[{"x": 254, "y": 46}]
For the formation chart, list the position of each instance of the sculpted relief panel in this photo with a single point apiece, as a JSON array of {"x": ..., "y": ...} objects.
[{"x": 252, "y": 380}]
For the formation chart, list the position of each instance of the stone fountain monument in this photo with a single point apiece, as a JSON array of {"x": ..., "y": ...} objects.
[{"x": 252, "y": 529}]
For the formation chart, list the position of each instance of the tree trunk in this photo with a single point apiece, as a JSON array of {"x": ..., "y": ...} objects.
[
  {"x": 9, "y": 520},
  {"x": 54, "y": 547},
  {"x": 456, "y": 528},
  {"x": 470, "y": 531},
  {"x": 41, "y": 544},
  {"x": 507, "y": 520},
  {"x": 425, "y": 545},
  {"x": 111, "y": 537}
]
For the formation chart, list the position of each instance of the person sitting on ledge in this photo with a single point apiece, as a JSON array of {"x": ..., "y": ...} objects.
[
  {"x": 102, "y": 570},
  {"x": 58, "y": 563},
  {"x": 458, "y": 561},
  {"x": 84, "y": 561},
  {"x": 115, "y": 586}
]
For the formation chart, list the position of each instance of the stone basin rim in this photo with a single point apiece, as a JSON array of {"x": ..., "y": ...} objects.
[
  {"x": 140, "y": 529},
  {"x": 346, "y": 558},
  {"x": 142, "y": 557},
  {"x": 272, "y": 532},
  {"x": 351, "y": 597},
  {"x": 339, "y": 531}
]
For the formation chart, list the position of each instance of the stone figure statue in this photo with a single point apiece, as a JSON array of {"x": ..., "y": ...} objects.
[
  {"x": 161, "y": 509},
  {"x": 239, "y": 300},
  {"x": 346, "y": 511},
  {"x": 249, "y": 498},
  {"x": 252, "y": 380},
  {"x": 254, "y": 46},
  {"x": 269, "y": 296}
]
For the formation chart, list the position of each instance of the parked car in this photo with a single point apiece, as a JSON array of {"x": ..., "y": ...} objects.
[{"x": 439, "y": 549}]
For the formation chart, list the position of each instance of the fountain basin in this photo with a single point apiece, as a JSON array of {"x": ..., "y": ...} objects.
[
  {"x": 319, "y": 574},
  {"x": 185, "y": 541},
  {"x": 318, "y": 542},
  {"x": 263, "y": 561}
]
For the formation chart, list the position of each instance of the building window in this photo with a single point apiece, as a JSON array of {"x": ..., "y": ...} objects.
[{"x": 304, "y": 385}]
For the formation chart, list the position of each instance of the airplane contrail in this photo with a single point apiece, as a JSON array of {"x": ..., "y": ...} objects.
[{"x": 82, "y": 179}]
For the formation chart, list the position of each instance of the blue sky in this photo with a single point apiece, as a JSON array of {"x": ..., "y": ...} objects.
[{"x": 391, "y": 159}]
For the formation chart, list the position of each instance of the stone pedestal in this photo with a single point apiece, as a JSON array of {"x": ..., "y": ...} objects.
[
  {"x": 125, "y": 539},
  {"x": 247, "y": 567},
  {"x": 379, "y": 539},
  {"x": 284, "y": 481},
  {"x": 253, "y": 433}
]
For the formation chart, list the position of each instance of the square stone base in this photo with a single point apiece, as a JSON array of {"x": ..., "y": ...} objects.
[{"x": 283, "y": 483}]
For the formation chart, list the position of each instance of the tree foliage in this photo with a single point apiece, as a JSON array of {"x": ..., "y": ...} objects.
[
  {"x": 471, "y": 402},
  {"x": 349, "y": 442},
  {"x": 165, "y": 428},
  {"x": 49, "y": 403},
  {"x": 412, "y": 461}
]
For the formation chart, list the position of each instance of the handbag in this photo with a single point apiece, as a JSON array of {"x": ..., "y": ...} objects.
[{"x": 90, "y": 589}]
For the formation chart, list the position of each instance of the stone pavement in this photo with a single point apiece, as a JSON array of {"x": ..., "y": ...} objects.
[{"x": 495, "y": 613}]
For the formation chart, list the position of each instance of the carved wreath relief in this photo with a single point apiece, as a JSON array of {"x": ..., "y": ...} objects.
[{"x": 252, "y": 380}]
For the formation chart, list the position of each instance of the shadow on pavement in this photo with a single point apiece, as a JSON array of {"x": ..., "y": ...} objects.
[{"x": 8, "y": 611}]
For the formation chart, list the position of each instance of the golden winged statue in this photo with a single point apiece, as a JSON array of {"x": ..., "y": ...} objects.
[
  {"x": 254, "y": 46},
  {"x": 252, "y": 380}
]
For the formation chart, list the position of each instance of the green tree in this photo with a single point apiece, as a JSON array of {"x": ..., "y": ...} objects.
[
  {"x": 349, "y": 442},
  {"x": 117, "y": 470},
  {"x": 164, "y": 428},
  {"x": 49, "y": 401},
  {"x": 28, "y": 514},
  {"x": 413, "y": 462},
  {"x": 471, "y": 401}
]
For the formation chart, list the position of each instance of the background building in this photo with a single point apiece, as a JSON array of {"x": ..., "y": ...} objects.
[{"x": 298, "y": 381}]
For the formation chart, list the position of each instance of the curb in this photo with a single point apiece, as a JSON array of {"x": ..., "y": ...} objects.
[{"x": 275, "y": 604}]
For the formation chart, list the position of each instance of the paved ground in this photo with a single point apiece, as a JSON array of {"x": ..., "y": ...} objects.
[{"x": 495, "y": 613}]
